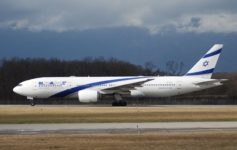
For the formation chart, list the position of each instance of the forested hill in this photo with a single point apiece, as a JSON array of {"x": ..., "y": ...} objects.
[{"x": 15, "y": 70}]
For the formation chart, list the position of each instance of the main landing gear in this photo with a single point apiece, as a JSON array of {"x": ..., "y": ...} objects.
[
  {"x": 32, "y": 102},
  {"x": 119, "y": 101}
]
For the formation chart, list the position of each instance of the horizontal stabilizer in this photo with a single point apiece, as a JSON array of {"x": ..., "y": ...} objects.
[{"x": 211, "y": 82}]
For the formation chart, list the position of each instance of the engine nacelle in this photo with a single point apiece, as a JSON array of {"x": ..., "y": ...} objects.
[
  {"x": 88, "y": 96},
  {"x": 136, "y": 93}
]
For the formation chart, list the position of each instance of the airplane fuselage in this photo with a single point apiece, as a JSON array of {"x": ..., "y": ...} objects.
[{"x": 68, "y": 87}]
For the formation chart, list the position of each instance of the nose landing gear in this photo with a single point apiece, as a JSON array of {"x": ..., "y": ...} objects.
[{"x": 31, "y": 99}]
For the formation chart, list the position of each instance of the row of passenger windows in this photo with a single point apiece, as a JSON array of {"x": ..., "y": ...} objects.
[
  {"x": 160, "y": 84},
  {"x": 106, "y": 85}
]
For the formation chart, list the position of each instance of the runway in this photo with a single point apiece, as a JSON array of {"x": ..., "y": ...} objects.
[{"x": 115, "y": 127}]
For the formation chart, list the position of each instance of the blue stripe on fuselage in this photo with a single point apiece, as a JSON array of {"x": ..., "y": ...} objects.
[
  {"x": 212, "y": 54},
  {"x": 89, "y": 85}
]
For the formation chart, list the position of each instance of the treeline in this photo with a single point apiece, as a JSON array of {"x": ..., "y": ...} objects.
[{"x": 15, "y": 70}]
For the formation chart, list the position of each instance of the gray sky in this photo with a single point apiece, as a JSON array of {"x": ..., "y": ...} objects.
[
  {"x": 156, "y": 15},
  {"x": 132, "y": 30}
]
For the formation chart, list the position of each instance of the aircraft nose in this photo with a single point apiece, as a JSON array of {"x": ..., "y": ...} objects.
[{"x": 16, "y": 90}]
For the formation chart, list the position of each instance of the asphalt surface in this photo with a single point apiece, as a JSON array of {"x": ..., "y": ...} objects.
[{"x": 114, "y": 127}]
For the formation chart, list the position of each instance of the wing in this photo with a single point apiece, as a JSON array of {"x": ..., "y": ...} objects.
[
  {"x": 211, "y": 82},
  {"x": 124, "y": 89}
]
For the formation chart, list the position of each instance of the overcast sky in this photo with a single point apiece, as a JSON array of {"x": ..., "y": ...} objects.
[
  {"x": 155, "y": 15},
  {"x": 24, "y": 24}
]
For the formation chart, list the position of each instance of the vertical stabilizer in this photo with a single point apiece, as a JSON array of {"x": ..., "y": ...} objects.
[{"x": 206, "y": 65}]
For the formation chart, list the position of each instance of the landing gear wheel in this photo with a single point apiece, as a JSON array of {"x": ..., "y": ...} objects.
[
  {"x": 119, "y": 103},
  {"x": 32, "y": 103}
]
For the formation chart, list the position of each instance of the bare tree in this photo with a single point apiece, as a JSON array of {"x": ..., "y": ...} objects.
[{"x": 174, "y": 68}]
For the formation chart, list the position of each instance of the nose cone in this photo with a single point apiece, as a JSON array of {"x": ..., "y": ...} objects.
[
  {"x": 16, "y": 90},
  {"x": 23, "y": 89}
]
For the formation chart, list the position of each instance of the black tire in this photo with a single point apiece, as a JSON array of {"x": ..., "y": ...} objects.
[
  {"x": 123, "y": 103},
  {"x": 32, "y": 103},
  {"x": 119, "y": 103},
  {"x": 114, "y": 103}
]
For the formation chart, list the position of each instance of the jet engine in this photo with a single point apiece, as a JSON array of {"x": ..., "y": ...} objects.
[
  {"x": 88, "y": 96},
  {"x": 136, "y": 93}
]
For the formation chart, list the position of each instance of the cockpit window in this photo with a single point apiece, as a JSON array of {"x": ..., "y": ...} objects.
[{"x": 19, "y": 85}]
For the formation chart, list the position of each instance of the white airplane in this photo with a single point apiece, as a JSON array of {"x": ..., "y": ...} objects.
[{"x": 91, "y": 89}]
